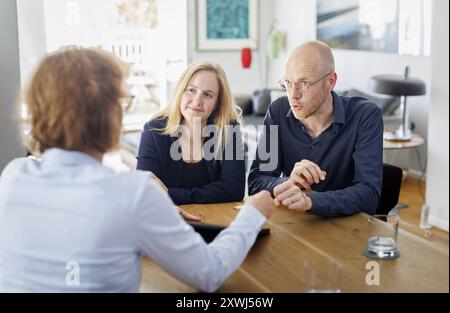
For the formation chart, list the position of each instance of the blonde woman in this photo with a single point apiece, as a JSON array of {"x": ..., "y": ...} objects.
[
  {"x": 67, "y": 223},
  {"x": 194, "y": 146}
]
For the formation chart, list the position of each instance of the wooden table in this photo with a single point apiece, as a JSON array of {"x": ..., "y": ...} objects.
[{"x": 275, "y": 263}]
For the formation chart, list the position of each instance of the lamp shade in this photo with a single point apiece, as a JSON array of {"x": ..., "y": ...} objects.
[
  {"x": 397, "y": 85},
  {"x": 402, "y": 86}
]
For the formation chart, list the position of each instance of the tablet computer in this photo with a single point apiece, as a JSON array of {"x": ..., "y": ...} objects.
[{"x": 210, "y": 231}]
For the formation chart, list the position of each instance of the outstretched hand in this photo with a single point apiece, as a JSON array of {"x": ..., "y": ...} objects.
[{"x": 188, "y": 217}]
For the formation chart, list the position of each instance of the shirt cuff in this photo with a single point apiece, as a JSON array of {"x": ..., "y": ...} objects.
[
  {"x": 320, "y": 205},
  {"x": 179, "y": 196}
]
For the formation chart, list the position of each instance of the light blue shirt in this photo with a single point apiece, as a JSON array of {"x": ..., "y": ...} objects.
[{"x": 68, "y": 223}]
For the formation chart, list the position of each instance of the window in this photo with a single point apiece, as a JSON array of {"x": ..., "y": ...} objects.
[{"x": 134, "y": 30}]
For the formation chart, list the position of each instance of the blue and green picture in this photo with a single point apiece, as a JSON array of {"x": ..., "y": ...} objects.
[{"x": 227, "y": 19}]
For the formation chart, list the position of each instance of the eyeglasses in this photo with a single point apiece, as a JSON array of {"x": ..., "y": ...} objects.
[{"x": 301, "y": 87}]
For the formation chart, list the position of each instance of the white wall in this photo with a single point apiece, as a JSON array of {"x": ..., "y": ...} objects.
[
  {"x": 173, "y": 22},
  {"x": 32, "y": 39},
  {"x": 355, "y": 68},
  {"x": 437, "y": 196},
  {"x": 297, "y": 19},
  {"x": 10, "y": 146},
  {"x": 242, "y": 81}
]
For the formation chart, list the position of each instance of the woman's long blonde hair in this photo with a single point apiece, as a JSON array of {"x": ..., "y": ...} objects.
[{"x": 225, "y": 113}]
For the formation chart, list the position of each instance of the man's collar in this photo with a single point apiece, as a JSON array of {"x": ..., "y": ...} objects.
[{"x": 338, "y": 109}]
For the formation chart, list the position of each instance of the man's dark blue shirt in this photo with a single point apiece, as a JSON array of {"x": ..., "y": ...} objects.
[{"x": 350, "y": 151}]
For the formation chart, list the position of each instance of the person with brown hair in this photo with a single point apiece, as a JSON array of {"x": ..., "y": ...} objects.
[{"x": 68, "y": 223}]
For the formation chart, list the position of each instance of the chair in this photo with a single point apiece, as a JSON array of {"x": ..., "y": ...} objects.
[{"x": 390, "y": 189}]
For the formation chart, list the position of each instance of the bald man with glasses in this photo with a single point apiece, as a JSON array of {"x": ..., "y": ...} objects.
[{"x": 319, "y": 153}]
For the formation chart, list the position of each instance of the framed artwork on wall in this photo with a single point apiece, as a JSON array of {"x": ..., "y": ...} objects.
[
  {"x": 358, "y": 25},
  {"x": 227, "y": 24},
  {"x": 392, "y": 26}
]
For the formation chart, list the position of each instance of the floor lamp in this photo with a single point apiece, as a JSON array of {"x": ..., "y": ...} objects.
[{"x": 400, "y": 86}]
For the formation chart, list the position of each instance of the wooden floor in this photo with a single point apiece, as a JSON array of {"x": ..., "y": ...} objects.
[{"x": 412, "y": 194}]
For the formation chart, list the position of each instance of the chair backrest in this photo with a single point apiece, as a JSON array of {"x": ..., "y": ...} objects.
[
  {"x": 387, "y": 104},
  {"x": 390, "y": 189}
]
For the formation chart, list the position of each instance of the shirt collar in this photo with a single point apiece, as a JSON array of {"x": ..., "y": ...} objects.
[
  {"x": 290, "y": 114},
  {"x": 67, "y": 157},
  {"x": 338, "y": 110}
]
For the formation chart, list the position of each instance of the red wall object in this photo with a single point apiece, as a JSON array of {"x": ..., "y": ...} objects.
[{"x": 246, "y": 57}]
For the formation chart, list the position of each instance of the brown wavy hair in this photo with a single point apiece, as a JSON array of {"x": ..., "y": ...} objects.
[{"x": 72, "y": 102}]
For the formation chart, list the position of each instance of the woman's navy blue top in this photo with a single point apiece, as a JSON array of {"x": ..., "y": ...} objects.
[
  {"x": 194, "y": 175},
  {"x": 226, "y": 171}
]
